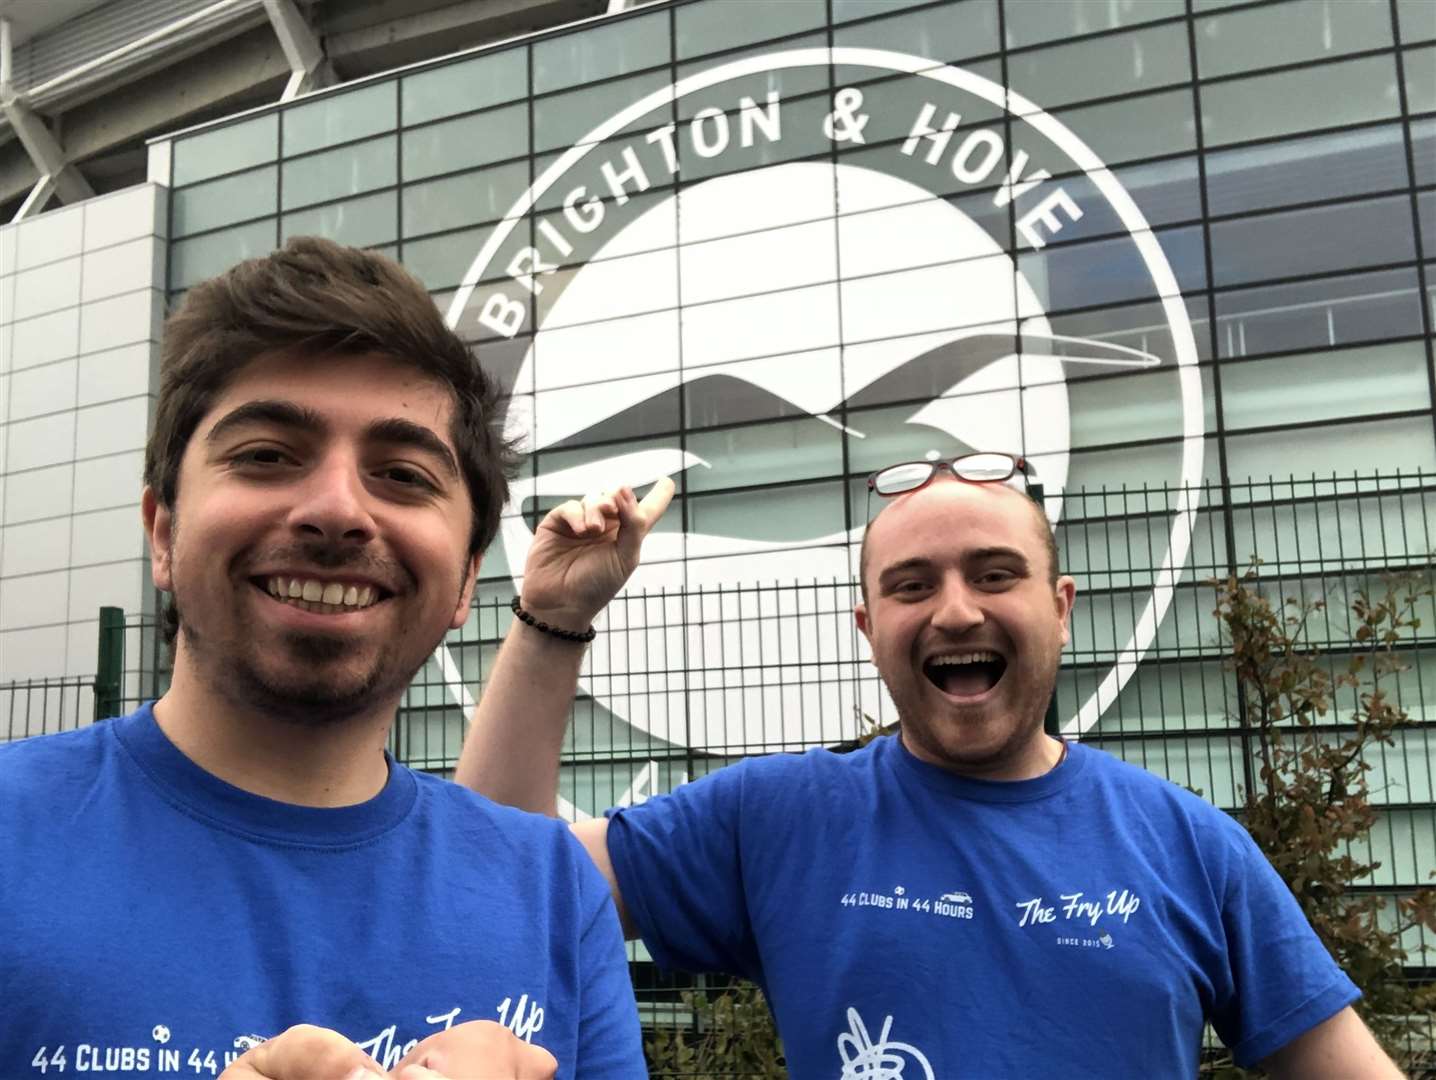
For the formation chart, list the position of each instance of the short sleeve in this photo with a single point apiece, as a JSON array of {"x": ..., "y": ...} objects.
[
  {"x": 610, "y": 1044},
  {"x": 1283, "y": 981},
  {"x": 679, "y": 863}
]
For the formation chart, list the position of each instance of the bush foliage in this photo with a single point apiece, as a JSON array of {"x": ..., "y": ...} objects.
[{"x": 1312, "y": 724}]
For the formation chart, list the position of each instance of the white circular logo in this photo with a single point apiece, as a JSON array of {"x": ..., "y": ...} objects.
[{"x": 885, "y": 293}]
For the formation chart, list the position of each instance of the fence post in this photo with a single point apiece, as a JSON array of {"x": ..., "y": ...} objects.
[
  {"x": 1050, "y": 724},
  {"x": 109, "y": 671}
]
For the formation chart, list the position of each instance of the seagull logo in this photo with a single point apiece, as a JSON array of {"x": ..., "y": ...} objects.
[{"x": 901, "y": 322}]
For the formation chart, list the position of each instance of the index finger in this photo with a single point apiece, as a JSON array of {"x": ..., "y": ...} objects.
[{"x": 651, "y": 507}]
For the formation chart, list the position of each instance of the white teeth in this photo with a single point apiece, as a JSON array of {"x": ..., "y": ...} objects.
[
  {"x": 952, "y": 659},
  {"x": 309, "y": 594}
]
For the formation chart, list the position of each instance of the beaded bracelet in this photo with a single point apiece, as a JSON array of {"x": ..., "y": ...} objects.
[{"x": 583, "y": 636}]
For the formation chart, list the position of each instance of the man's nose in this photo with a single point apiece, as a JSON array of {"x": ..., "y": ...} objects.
[
  {"x": 959, "y": 607},
  {"x": 333, "y": 504}
]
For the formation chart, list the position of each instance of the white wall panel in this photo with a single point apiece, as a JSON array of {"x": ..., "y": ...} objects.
[
  {"x": 47, "y": 288},
  {"x": 38, "y": 494},
  {"x": 49, "y": 237},
  {"x": 33, "y": 444},
  {"x": 41, "y": 340},
  {"x": 33, "y": 600},
  {"x": 108, "y": 483},
  {"x": 112, "y": 428},
  {"x": 35, "y": 547},
  {"x": 42, "y": 390},
  {"x": 106, "y": 536}
]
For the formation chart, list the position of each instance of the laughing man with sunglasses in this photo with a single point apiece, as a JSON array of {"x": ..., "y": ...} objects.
[{"x": 971, "y": 898}]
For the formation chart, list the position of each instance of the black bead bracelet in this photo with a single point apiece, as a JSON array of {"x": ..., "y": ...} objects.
[{"x": 583, "y": 636}]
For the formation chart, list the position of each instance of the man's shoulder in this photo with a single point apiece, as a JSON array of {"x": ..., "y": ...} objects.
[
  {"x": 1137, "y": 789},
  {"x": 455, "y": 809},
  {"x": 42, "y": 762}
]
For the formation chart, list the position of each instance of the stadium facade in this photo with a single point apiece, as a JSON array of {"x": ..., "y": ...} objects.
[{"x": 1175, "y": 252}]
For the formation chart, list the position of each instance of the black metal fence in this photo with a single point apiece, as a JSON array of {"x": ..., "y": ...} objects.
[{"x": 682, "y": 682}]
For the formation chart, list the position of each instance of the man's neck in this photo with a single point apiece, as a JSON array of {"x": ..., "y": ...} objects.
[{"x": 340, "y": 763}]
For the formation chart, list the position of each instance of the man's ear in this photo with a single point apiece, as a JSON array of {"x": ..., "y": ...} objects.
[
  {"x": 466, "y": 594},
  {"x": 159, "y": 531},
  {"x": 860, "y": 616},
  {"x": 1066, "y": 592}
]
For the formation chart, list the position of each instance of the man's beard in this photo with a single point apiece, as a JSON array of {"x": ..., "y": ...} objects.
[
  {"x": 311, "y": 684},
  {"x": 1025, "y": 721}
]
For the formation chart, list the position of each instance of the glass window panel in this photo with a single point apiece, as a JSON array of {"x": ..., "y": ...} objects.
[
  {"x": 802, "y": 137},
  {"x": 1314, "y": 240},
  {"x": 726, "y": 24},
  {"x": 1417, "y": 19},
  {"x": 788, "y": 83},
  {"x": 786, "y": 514},
  {"x": 728, "y": 398},
  {"x": 1110, "y": 271},
  {"x": 1325, "y": 386},
  {"x": 1129, "y": 407},
  {"x": 1329, "y": 95},
  {"x": 1423, "y": 150},
  {"x": 1165, "y": 191},
  {"x": 1306, "y": 170},
  {"x": 1031, "y": 22},
  {"x": 1099, "y": 67},
  {"x": 586, "y": 245},
  {"x": 441, "y": 261},
  {"x": 656, "y": 414},
  {"x": 1314, "y": 314},
  {"x": 847, "y": 10},
  {"x": 363, "y": 222},
  {"x": 588, "y": 172},
  {"x": 1152, "y": 464},
  {"x": 225, "y": 149},
  {"x": 458, "y": 201},
  {"x": 340, "y": 117},
  {"x": 333, "y": 174},
  {"x": 566, "y": 119},
  {"x": 192, "y": 261},
  {"x": 1339, "y": 448},
  {"x": 620, "y": 47},
  {"x": 1138, "y": 326},
  {"x": 1119, "y": 131},
  {"x": 1287, "y": 33},
  {"x": 1420, "y": 67},
  {"x": 223, "y": 202},
  {"x": 892, "y": 105},
  {"x": 764, "y": 454},
  {"x": 945, "y": 33},
  {"x": 469, "y": 140},
  {"x": 1426, "y": 202},
  {"x": 471, "y": 84}
]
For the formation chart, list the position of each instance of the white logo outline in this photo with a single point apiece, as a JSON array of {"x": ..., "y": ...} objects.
[{"x": 1187, "y": 493}]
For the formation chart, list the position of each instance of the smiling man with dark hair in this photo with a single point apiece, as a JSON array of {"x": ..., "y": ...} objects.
[
  {"x": 970, "y": 898},
  {"x": 187, "y": 886}
]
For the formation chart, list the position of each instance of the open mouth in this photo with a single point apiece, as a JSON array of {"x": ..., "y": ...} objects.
[
  {"x": 965, "y": 674},
  {"x": 321, "y": 597}
]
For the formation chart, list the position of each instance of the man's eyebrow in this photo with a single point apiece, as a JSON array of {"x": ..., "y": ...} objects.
[
  {"x": 918, "y": 562},
  {"x": 401, "y": 432},
  {"x": 276, "y": 413},
  {"x": 997, "y": 552}
]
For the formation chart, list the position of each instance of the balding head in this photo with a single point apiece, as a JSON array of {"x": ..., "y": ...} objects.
[{"x": 1035, "y": 514}]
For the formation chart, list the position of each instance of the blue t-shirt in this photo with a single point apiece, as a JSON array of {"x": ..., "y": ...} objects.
[
  {"x": 155, "y": 920},
  {"x": 906, "y": 921}
]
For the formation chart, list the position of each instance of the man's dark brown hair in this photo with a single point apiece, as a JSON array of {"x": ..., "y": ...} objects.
[{"x": 314, "y": 298}]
